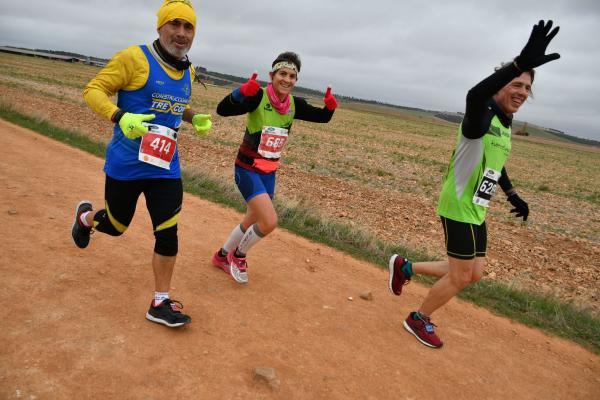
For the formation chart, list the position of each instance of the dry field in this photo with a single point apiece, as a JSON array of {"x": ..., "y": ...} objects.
[{"x": 379, "y": 169}]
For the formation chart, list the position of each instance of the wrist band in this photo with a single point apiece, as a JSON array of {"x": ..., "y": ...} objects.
[{"x": 117, "y": 116}]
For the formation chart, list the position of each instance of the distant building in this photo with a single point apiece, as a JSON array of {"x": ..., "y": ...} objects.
[
  {"x": 99, "y": 62},
  {"x": 95, "y": 61},
  {"x": 35, "y": 53}
]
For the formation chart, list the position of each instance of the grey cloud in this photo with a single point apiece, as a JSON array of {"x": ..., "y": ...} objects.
[{"x": 420, "y": 54}]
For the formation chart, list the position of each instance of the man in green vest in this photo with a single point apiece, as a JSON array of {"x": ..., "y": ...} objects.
[{"x": 475, "y": 171}]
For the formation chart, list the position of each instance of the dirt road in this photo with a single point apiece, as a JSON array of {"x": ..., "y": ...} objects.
[{"x": 74, "y": 326}]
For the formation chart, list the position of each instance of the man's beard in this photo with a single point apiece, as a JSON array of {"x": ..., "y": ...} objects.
[{"x": 175, "y": 52}]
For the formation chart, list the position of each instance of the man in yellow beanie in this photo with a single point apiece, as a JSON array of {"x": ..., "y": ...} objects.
[{"x": 153, "y": 84}]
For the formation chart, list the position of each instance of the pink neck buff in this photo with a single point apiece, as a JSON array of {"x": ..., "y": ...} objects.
[{"x": 282, "y": 107}]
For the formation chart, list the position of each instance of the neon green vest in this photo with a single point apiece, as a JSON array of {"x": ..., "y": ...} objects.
[
  {"x": 262, "y": 151},
  {"x": 266, "y": 115},
  {"x": 472, "y": 176}
]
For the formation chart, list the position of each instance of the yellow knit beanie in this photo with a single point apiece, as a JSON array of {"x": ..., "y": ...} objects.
[{"x": 174, "y": 9}]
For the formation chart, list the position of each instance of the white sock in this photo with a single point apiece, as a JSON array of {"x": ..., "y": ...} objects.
[
  {"x": 235, "y": 237},
  {"x": 251, "y": 237},
  {"x": 159, "y": 297},
  {"x": 83, "y": 219}
]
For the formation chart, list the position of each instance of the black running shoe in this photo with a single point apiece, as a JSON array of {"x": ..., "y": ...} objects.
[
  {"x": 168, "y": 313},
  {"x": 80, "y": 232}
]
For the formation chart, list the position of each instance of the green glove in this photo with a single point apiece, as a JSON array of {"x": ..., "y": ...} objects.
[
  {"x": 131, "y": 124},
  {"x": 202, "y": 123}
]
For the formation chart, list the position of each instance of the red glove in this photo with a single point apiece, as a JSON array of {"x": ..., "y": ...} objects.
[
  {"x": 329, "y": 100},
  {"x": 251, "y": 87}
]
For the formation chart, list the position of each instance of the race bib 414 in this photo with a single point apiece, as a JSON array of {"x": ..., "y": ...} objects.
[{"x": 158, "y": 146}]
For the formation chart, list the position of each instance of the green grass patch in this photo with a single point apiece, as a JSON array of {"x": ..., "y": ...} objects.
[
  {"x": 546, "y": 313},
  {"x": 212, "y": 189},
  {"x": 72, "y": 138},
  {"x": 543, "y": 312},
  {"x": 301, "y": 219}
]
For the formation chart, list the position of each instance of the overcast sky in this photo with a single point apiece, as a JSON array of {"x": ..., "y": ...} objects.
[{"x": 423, "y": 54}]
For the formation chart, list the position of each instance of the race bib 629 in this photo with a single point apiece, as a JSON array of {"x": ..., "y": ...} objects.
[{"x": 487, "y": 187}]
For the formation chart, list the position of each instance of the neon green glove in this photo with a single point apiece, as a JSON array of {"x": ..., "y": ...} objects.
[
  {"x": 202, "y": 123},
  {"x": 131, "y": 124}
]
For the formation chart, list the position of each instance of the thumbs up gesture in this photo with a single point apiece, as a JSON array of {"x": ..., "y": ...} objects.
[
  {"x": 251, "y": 87},
  {"x": 329, "y": 100}
]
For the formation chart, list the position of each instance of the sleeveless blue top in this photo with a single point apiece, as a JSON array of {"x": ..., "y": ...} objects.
[{"x": 162, "y": 96}]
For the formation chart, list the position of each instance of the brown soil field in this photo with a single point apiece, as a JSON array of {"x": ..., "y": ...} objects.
[{"x": 77, "y": 330}]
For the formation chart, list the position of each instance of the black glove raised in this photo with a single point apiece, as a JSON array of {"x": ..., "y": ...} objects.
[
  {"x": 534, "y": 53},
  {"x": 520, "y": 206}
]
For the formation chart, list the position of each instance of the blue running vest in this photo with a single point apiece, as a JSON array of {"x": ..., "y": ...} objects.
[{"x": 162, "y": 96}]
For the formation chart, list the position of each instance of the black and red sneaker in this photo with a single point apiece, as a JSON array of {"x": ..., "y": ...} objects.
[
  {"x": 420, "y": 325},
  {"x": 397, "y": 276},
  {"x": 168, "y": 312},
  {"x": 80, "y": 232}
]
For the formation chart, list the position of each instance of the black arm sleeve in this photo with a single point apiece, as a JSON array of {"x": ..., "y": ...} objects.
[
  {"x": 504, "y": 181},
  {"x": 306, "y": 112},
  {"x": 229, "y": 107},
  {"x": 475, "y": 123}
]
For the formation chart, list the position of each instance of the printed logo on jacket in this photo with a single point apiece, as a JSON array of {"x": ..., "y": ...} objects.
[{"x": 167, "y": 103}]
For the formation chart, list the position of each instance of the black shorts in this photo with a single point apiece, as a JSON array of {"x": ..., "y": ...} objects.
[
  {"x": 163, "y": 200},
  {"x": 464, "y": 241}
]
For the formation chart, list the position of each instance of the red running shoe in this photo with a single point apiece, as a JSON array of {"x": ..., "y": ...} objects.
[
  {"x": 420, "y": 325},
  {"x": 237, "y": 267},
  {"x": 397, "y": 277},
  {"x": 220, "y": 261}
]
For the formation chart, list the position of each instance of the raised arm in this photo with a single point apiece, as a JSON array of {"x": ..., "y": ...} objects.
[
  {"x": 306, "y": 112},
  {"x": 242, "y": 100},
  {"x": 533, "y": 55}
]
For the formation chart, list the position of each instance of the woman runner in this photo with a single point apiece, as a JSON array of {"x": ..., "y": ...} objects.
[{"x": 270, "y": 113}]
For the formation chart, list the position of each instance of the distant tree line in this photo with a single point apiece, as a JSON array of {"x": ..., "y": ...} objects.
[
  {"x": 575, "y": 139},
  {"x": 450, "y": 117},
  {"x": 225, "y": 79}
]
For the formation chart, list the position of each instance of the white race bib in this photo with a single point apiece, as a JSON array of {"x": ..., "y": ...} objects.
[
  {"x": 272, "y": 140},
  {"x": 487, "y": 187},
  {"x": 158, "y": 146}
]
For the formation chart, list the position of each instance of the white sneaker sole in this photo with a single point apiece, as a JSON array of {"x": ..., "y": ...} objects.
[
  {"x": 239, "y": 277},
  {"x": 163, "y": 322},
  {"x": 391, "y": 268},
  {"x": 409, "y": 329}
]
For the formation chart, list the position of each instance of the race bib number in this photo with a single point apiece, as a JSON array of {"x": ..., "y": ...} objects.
[
  {"x": 272, "y": 141},
  {"x": 158, "y": 146},
  {"x": 486, "y": 188}
]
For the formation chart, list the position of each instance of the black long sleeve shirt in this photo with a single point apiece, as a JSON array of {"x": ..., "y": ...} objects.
[
  {"x": 248, "y": 154},
  {"x": 229, "y": 107},
  {"x": 481, "y": 108}
]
